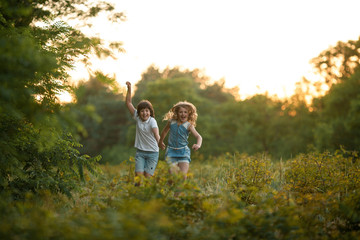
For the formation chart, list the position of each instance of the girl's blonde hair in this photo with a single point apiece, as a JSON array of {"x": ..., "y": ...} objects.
[{"x": 173, "y": 113}]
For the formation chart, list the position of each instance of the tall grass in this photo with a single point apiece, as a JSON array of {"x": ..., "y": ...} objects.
[{"x": 235, "y": 196}]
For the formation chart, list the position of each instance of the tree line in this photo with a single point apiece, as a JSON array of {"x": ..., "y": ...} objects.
[{"x": 282, "y": 128}]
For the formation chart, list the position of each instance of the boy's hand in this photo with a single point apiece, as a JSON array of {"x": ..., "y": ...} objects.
[{"x": 128, "y": 84}]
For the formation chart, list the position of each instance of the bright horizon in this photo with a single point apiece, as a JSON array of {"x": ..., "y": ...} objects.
[{"x": 260, "y": 46}]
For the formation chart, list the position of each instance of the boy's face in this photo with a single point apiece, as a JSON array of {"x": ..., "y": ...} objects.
[
  {"x": 144, "y": 114},
  {"x": 183, "y": 115}
]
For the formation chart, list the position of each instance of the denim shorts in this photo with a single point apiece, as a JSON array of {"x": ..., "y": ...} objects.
[
  {"x": 146, "y": 161},
  {"x": 176, "y": 160}
]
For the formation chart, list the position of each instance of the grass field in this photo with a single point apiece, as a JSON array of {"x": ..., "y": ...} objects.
[{"x": 235, "y": 196}]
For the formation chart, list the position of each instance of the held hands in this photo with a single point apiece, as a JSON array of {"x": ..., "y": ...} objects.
[
  {"x": 196, "y": 147},
  {"x": 161, "y": 145}
]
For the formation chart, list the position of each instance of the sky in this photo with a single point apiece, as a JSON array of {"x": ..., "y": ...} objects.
[{"x": 259, "y": 45}]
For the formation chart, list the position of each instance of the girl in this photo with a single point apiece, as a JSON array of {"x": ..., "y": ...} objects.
[
  {"x": 181, "y": 121},
  {"x": 147, "y": 136}
]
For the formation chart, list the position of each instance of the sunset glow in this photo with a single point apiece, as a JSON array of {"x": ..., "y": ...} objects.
[{"x": 260, "y": 46}]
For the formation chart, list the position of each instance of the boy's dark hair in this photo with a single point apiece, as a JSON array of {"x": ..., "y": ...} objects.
[{"x": 145, "y": 104}]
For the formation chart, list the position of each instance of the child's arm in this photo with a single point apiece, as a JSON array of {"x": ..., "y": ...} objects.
[
  {"x": 163, "y": 134},
  {"x": 129, "y": 105},
  {"x": 197, "y": 136},
  {"x": 156, "y": 134}
]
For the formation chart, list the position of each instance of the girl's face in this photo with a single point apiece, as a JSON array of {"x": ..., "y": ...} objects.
[
  {"x": 182, "y": 114},
  {"x": 144, "y": 114}
]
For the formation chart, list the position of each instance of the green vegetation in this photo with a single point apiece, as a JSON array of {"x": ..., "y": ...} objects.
[
  {"x": 269, "y": 168},
  {"x": 234, "y": 196},
  {"x": 39, "y": 149}
]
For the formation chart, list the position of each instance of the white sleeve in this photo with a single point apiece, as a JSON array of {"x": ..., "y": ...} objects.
[
  {"x": 153, "y": 123},
  {"x": 136, "y": 116}
]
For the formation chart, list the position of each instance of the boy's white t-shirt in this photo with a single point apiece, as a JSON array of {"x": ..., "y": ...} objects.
[{"x": 144, "y": 137}]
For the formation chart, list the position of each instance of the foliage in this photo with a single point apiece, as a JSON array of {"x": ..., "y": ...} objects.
[
  {"x": 325, "y": 183},
  {"x": 298, "y": 206},
  {"x": 153, "y": 74},
  {"x": 339, "y": 62},
  {"x": 262, "y": 124},
  {"x": 323, "y": 172},
  {"x": 108, "y": 121},
  {"x": 26, "y": 166},
  {"x": 37, "y": 48},
  {"x": 339, "y": 116},
  {"x": 245, "y": 176}
]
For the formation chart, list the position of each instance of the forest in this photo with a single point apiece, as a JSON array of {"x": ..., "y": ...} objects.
[{"x": 269, "y": 168}]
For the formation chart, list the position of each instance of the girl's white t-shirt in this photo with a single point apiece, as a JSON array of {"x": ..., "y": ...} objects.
[{"x": 144, "y": 137}]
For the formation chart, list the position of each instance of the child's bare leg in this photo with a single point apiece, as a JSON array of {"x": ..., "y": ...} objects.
[
  {"x": 184, "y": 168},
  {"x": 174, "y": 168},
  {"x": 140, "y": 174},
  {"x": 147, "y": 175}
]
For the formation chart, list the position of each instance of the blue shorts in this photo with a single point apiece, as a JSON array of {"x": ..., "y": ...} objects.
[
  {"x": 176, "y": 160},
  {"x": 146, "y": 161},
  {"x": 177, "y": 155}
]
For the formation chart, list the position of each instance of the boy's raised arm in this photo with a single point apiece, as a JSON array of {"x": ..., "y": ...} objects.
[{"x": 128, "y": 103}]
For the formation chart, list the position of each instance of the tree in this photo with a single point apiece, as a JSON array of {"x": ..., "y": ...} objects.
[
  {"x": 337, "y": 110},
  {"x": 107, "y": 125},
  {"x": 338, "y": 63},
  {"x": 281, "y": 128},
  {"x": 37, "y": 49},
  {"x": 339, "y": 118},
  {"x": 153, "y": 73}
]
